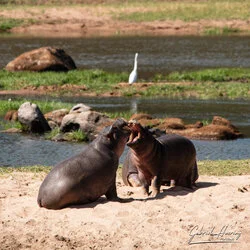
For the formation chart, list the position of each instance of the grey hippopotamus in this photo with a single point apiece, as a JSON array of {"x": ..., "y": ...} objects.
[
  {"x": 157, "y": 161},
  {"x": 87, "y": 176}
]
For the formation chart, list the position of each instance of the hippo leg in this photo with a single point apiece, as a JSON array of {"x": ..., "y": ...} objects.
[
  {"x": 156, "y": 184},
  {"x": 111, "y": 194},
  {"x": 195, "y": 174},
  {"x": 185, "y": 181},
  {"x": 145, "y": 190},
  {"x": 134, "y": 180}
]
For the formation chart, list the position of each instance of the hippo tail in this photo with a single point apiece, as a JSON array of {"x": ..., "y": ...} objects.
[{"x": 195, "y": 174}]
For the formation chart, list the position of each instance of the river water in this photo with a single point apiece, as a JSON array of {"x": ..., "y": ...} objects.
[
  {"x": 19, "y": 150},
  {"x": 156, "y": 55}
]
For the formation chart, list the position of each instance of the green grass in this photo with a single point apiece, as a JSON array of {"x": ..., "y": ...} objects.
[
  {"x": 213, "y": 75},
  {"x": 26, "y": 169},
  {"x": 125, "y": 114},
  {"x": 51, "y": 134},
  {"x": 203, "y": 90},
  {"x": 6, "y": 24},
  {"x": 188, "y": 11},
  {"x": 76, "y": 136},
  {"x": 145, "y": 10},
  {"x": 10, "y": 124},
  {"x": 204, "y": 84},
  {"x": 224, "y": 167},
  {"x": 94, "y": 80},
  {"x": 45, "y": 106},
  {"x": 217, "y": 168},
  {"x": 214, "y": 31}
]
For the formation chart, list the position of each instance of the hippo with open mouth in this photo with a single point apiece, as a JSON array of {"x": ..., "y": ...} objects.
[
  {"x": 157, "y": 161},
  {"x": 87, "y": 176}
]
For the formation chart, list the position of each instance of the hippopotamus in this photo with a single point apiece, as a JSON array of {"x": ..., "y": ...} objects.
[
  {"x": 158, "y": 161},
  {"x": 88, "y": 175}
]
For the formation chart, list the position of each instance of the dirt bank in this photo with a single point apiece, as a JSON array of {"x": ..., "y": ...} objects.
[{"x": 218, "y": 210}]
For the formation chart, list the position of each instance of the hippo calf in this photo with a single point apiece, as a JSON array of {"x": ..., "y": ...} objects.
[
  {"x": 87, "y": 176},
  {"x": 157, "y": 161}
]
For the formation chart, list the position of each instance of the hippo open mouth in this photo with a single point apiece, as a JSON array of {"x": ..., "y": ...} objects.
[{"x": 135, "y": 135}]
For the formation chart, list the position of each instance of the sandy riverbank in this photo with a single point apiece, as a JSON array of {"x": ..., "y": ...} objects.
[{"x": 219, "y": 206}]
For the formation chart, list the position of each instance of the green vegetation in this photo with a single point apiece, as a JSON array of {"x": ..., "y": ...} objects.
[
  {"x": 218, "y": 168},
  {"x": 76, "y": 136},
  {"x": 204, "y": 84},
  {"x": 93, "y": 80},
  {"x": 146, "y": 11},
  {"x": 209, "y": 75},
  {"x": 203, "y": 90},
  {"x": 45, "y": 106},
  {"x": 187, "y": 11},
  {"x": 224, "y": 167},
  {"x": 26, "y": 169},
  {"x": 215, "y": 31},
  {"x": 114, "y": 115},
  {"x": 7, "y": 24},
  {"x": 10, "y": 124}
]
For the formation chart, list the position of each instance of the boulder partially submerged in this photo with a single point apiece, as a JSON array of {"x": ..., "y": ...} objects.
[
  {"x": 82, "y": 117},
  {"x": 219, "y": 129},
  {"x": 42, "y": 59},
  {"x": 31, "y": 117}
]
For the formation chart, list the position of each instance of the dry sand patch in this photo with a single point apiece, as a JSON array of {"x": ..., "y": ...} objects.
[{"x": 168, "y": 222}]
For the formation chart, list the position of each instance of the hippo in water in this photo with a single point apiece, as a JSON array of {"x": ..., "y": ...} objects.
[
  {"x": 157, "y": 161},
  {"x": 87, "y": 176}
]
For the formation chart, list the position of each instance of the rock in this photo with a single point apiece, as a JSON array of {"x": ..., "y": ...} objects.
[
  {"x": 56, "y": 116},
  {"x": 198, "y": 124},
  {"x": 80, "y": 107},
  {"x": 218, "y": 120},
  {"x": 90, "y": 122},
  {"x": 11, "y": 115},
  {"x": 141, "y": 116},
  {"x": 173, "y": 123},
  {"x": 42, "y": 59},
  {"x": 52, "y": 124},
  {"x": 31, "y": 117},
  {"x": 145, "y": 120},
  {"x": 12, "y": 130},
  {"x": 209, "y": 132}
]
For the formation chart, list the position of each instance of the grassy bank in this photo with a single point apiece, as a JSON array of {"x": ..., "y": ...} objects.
[
  {"x": 203, "y": 84},
  {"x": 139, "y": 11},
  {"x": 217, "y": 168},
  {"x": 188, "y": 11},
  {"x": 147, "y": 11},
  {"x": 45, "y": 106}
]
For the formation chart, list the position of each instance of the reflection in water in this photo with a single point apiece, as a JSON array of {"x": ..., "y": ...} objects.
[{"x": 133, "y": 107}]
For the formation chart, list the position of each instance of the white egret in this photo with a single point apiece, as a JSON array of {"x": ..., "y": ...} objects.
[{"x": 133, "y": 74}]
